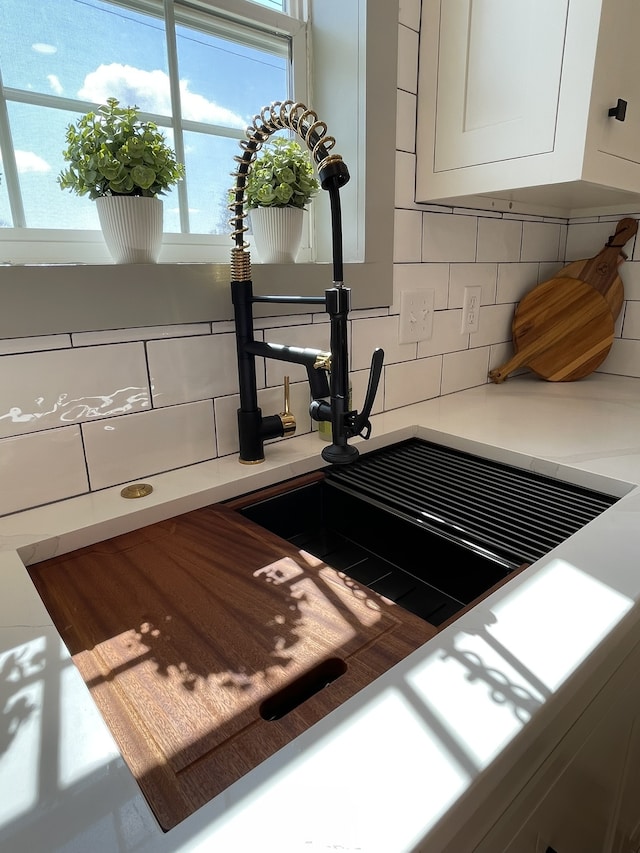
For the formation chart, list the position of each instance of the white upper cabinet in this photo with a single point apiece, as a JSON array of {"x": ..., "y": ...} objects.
[{"x": 514, "y": 99}]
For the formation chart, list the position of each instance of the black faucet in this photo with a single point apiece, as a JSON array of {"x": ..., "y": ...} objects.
[{"x": 330, "y": 396}]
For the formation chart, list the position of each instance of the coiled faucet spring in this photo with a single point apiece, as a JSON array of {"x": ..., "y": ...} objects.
[{"x": 279, "y": 115}]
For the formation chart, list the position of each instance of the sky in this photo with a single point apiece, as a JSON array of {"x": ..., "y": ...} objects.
[{"x": 92, "y": 50}]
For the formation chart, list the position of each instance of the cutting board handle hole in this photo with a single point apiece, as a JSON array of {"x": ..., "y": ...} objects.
[{"x": 307, "y": 685}]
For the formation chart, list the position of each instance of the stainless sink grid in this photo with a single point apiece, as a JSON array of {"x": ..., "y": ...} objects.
[{"x": 468, "y": 498}]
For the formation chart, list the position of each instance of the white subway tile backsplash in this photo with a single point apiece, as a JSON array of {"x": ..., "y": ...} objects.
[
  {"x": 585, "y": 240},
  {"x": 226, "y": 414},
  {"x": 540, "y": 241},
  {"x": 471, "y": 211},
  {"x": 183, "y": 370},
  {"x": 364, "y": 314},
  {"x": 406, "y": 121},
  {"x": 447, "y": 335},
  {"x": 409, "y": 13},
  {"x": 617, "y": 331},
  {"x": 263, "y": 323},
  {"x": 407, "y": 59},
  {"x": 406, "y": 236},
  {"x": 464, "y": 369},
  {"x": 222, "y": 327},
  {"x": 51, "y": 389},
  {"x": 366, "y": 335},
  {"x": 405, "y": 180},
  {"x": 417, "y": 277},
  {"x": 449, "y": 237},
  {"x": 40, "y": 468},
  {"x": 631, "y": 327},
  {"x": 499, "y": 239},
  {"x": 10, "y": 346},
  {"x": 118, "y": 336},
  {"x": 494, "y": 325},
  {"x": 562, "y": 250},
  {"x": 515, "y": 280},
  {"x": 623, "y": 358},
  {"x": 630, "y": 274},
  {"x": 548, "y": 270},
  {"x": 470, "y": 275},
  {"x": 120, "y": 450},
  {"x": 411, "y": 382},
  {"x": 500, "y": 354}
]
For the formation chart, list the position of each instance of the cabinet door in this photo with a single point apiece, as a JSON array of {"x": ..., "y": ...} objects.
[
  {"x": 586, "y": 797},
  {"x": 625, "y": 828},
  {"x": 616, "y": 76},
  {"x": 499, "y": 67},
  {"x": 580, "y": 807}
]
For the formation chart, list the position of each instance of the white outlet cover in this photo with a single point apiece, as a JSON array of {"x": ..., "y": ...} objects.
[
  {"x": 471, "y": 309},
  {"x": 416, "y": 315}
]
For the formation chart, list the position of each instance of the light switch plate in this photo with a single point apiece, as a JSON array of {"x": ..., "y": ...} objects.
[{"x": 416, "y": 315}]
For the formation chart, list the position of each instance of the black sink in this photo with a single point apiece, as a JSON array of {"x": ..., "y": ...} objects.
[
  {"x": 424, "y": 573},
  {"x": 426, "y": 526}
]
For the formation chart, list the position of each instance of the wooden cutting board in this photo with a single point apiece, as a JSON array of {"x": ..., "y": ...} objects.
[
  {"x": 209, "y": 643},
  {"x": 562, "y": 330},
  {"x": 601, "y": 271}
]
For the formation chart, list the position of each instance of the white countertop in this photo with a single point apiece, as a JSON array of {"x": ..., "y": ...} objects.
[{"x": 406, "y": 762}]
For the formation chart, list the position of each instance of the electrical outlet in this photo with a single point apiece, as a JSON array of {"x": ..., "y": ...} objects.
[
  {"x": 471, "y": 309},
  {"x": 416, "y": 315}
]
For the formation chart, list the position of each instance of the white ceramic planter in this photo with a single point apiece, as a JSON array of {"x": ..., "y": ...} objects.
[
  {"x": 277, "y": 233},
  {"x": 132, "y": 227}
]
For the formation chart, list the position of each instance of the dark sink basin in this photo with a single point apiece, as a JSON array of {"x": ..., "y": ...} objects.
[
  {"x": 424, "y": 573},
  {"x": 428, "y": 527}
]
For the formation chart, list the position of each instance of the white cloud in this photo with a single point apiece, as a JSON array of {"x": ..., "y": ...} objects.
[
  {"x": 198, "y": 108},
  {"x": 42, "y": 47},
  {"x": 27, "y": 161},
  {"x": 55, "y": 83},
  {"x": 149, "y": 90}
]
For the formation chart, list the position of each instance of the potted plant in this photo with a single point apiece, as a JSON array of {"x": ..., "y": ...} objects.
[
  {"x": 279, "y": 186},
  {"x": 124, "y": 164}
]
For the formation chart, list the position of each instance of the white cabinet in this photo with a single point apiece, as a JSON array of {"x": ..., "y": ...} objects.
[
  {"x": 514, "y": 99},
  {"x": 586, "y": 796}
]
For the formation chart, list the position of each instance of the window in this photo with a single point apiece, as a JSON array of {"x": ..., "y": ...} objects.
[
  {"x": 199, "y": 71},
  {"x": 353, "y": 57}
]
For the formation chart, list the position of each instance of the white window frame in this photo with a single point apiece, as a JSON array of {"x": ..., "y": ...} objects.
[
  {"x": 47, "y": 300},
  {"x": 24, "y": 245}
]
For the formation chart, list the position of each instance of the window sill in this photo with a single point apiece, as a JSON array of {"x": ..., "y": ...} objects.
[{"x": 95, "y": 297}]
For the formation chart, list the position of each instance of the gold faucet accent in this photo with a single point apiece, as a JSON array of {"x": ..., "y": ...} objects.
[
  {"x": 323, "y": 361},
  {"x": 287, "y": 417}
]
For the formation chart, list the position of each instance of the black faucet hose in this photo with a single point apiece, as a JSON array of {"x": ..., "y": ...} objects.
[{"x": 336, "y": 230}]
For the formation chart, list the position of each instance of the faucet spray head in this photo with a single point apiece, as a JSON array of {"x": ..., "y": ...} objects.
[{"x": 333, "y": 171}]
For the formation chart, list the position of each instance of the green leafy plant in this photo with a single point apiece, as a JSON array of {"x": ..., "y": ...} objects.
[
  {"x": 113, "y": 152},
  {"x": 282, "y": 176}
]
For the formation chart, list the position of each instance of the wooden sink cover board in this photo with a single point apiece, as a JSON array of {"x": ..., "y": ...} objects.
[{"x": 182, "y": 630}]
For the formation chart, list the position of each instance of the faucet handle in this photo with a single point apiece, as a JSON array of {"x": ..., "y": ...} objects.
[
  {"x": 361, "y": 424},
  {"x": 287, "y": 417}
]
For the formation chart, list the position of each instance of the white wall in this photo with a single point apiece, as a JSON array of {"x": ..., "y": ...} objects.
[{"x": 83, "y": 412}]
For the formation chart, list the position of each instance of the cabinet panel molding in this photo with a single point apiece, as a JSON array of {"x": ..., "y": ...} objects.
[{"x": 513, "y": 106}]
